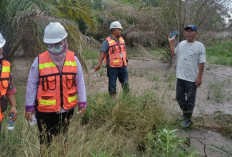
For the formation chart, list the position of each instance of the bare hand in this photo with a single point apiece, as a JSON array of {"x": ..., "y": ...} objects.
[
  {"x": 198, "y": 81},
  {"x": 97, "y": 67},
  {"x": 15, "y": 112},
  {"x": 28, "y": 115},
  {"x": 171, "y": 39},
  {"x": 82, "y": 110}
]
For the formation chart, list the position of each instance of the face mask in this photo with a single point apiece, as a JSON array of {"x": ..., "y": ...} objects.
[
  {"x": 1, "y": 56},
  {"x": 56, "y": 49}
]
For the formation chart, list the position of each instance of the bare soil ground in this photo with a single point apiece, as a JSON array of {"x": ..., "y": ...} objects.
[{"x": 211, "y": 134}]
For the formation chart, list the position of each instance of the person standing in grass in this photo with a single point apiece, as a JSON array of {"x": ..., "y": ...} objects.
[
  {"x": 55, "y": 85},
  {"x": 7, "y": 88},
  {"x": 189, "y": 71},
  {"x": 113, "y": 51}
]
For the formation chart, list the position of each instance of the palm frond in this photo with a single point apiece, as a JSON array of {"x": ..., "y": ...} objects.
[{"x": 23, "y": 21}]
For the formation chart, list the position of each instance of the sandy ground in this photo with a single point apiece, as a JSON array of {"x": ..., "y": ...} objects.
[{"x": 156, "y": 76}]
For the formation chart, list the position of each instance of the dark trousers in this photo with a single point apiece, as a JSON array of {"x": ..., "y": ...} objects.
[
  {"x": 186, "y": 96},
  {"x": 120, "y": 73},
  {"x": 52, "y": 124}
]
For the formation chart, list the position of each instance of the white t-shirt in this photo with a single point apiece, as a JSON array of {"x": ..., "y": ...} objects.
[{"x": 190, "y": 55}]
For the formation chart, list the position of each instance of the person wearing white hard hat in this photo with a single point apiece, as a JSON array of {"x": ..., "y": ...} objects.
[
  {"x": 55, "y": 85},
  {"x": 113, "y": 52},
  {"x": 7, "y": 88}
]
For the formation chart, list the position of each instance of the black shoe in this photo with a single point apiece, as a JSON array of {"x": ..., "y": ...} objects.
[{"x": 186, "y": 123}]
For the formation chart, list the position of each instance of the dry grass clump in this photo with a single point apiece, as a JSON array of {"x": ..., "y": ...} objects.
[{"x": 112, "y": 127}]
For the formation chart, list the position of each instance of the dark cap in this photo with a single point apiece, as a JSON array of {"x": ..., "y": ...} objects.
[{"x": 192, "y": 27}]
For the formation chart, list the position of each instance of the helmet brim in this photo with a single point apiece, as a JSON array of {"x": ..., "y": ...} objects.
[
  {"x": 53, "y": 41},
  {"x": 117, "y": 28}
]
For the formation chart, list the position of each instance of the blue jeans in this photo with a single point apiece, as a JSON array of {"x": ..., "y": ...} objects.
[
  {"x": 120, "y": 73},
  {"x": 186, "y": 96}
]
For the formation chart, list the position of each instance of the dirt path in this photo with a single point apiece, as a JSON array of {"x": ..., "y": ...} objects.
[{"x": 214, "y": 96}]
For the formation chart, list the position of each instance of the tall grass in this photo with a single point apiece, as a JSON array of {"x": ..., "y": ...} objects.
[
  {"x": 219, "y": 53},
  {"x": 118, "y": 127},
  {"x": 23, "y": 140}
]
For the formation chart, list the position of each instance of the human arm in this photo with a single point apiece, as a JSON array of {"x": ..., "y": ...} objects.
[
  {"x": 104, "y": 49},
  {"x": 172, "y": 45},
  {"x": 11, "y": 98},
  {"x": 199, "y": 77},
  {"x": 81, "y": 90},
  {"x": 102, "y": 55},
  {"x": 31, "y": 91},
  {"x": 202, "y": 60}
]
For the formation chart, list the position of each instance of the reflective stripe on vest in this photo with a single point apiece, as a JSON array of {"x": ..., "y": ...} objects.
[
  {"x": 111, "y": 41},
  {"x": 51, "y": 64},
  {"x": 47, "y": 102},
  {"x": 73, "y": 98},
  {"x": 4, "y": 81},
  {"x": 70, "y": 63},
  {"x": 57, "y": 89},
  {"x": 5, "y": 69},
  {"x": 46, "y": 65},
  {"x": 116, "y": 61},
  {"x": 117, "y": 53}
]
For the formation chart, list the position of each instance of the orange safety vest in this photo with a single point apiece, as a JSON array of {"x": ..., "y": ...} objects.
[
  {"x": 57, "y": 89},
  {"x": 4, "y": 79},
  {"x": 116, "y": 54}
]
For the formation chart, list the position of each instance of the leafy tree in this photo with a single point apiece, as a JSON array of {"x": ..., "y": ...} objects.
[
  {"x": 22, "y": 23},
  {"x": 147, "y": 23}
]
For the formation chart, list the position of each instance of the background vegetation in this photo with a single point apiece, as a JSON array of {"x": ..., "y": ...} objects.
[{"x": 146, "y": 23}]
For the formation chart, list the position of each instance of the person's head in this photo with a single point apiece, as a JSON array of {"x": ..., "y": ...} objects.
[
  {"x": 116, "y": 28},
  {"x": 54, "y": 35},
  {"x": 2, "y": 43},
  {"x": 190, "y": 32}
]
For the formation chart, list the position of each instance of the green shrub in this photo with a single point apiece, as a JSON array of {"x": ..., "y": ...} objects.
[
  {"x": 166, "y": 143},
  {"x": 219, "y": 53}
]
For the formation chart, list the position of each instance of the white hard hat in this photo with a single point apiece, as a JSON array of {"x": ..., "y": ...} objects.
[
  {"x": 115, "y": 24},
  {"x": 54, "y": 33},
  {"x": 2, "y": 41}
]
